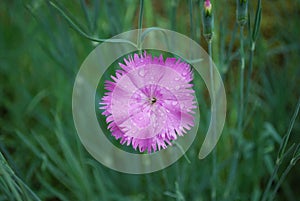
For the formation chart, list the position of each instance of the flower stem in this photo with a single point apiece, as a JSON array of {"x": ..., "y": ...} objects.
[
  {"x": 236, "y": 155},
  {"x": 191, "y": 19},
  {"x": 242, "y": 54},
  {"x": 253, "y": 38},
  {"x": 249, "y": 73},
  {"x": 140, "y": 24},
  {"x": 209, "y": 42},
  {"x": 283, "y": 176},
  {"x": 250, "y": 64},
  {"x": 282, "y": 151},
  {"x": 173, "y": 14},
  {"x": 214, "y": 154},
  {"x": 267, "y": 190},
  {"x": 275, "y": 172}
]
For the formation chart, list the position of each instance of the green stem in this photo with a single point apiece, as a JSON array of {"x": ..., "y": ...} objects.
[
  {"x": 211, "y": 71},
  {"x": 173, "y": 14},
  {"x": 214, "y": 175},
  {"x": 283, "y": 176},
  {"x": 253, "y": 38},
  {"x": 282, "y": 151},
  {"x": 236, "y": 155},
  {"x": 232, "y": 39},
  {"x": 140, "y": 24},
  {"x": 242, "y": 54},
  {"x": 182, "y": 151},
  {"x": 249, "y": 73},
  {"x": 191, "y": 19},
  {"x": 214, "y": 156},
  {"x": 27, "y": 188},
  {"x": 264, "y": 198}
]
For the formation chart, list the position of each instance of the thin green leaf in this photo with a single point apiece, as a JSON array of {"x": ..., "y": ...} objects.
[
  {"x": 82, "y": 33},
  {"x": 149, "y": 30},
  {"x": 257, "y": 20},
  {"x": 86, "y": 14},
  {"x": 288, "y": 133}
]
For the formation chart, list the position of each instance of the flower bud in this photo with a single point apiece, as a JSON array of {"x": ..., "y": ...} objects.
[
  {"x": 207, "y": 20},
  {"x": 241, "y": 11}
]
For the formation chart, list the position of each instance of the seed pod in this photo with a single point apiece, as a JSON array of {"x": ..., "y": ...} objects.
[
  {"x": 241, "y": 11},
  {"x": 207, "y": 20}
]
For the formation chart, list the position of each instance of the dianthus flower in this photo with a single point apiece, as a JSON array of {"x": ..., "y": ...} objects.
[{"x": 149, "y": 102}]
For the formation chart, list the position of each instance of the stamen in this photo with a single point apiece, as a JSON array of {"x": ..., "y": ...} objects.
[{"x": 153, "y": 100}]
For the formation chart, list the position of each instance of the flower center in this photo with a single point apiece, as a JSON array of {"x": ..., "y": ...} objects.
[{"x": 153, "y": 100}]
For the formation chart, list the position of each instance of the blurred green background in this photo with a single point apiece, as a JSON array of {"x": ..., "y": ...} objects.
[{"x": 42, "y": 157}]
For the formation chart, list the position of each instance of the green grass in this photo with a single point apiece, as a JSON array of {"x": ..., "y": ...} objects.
[{"x": 40, "y": 53}]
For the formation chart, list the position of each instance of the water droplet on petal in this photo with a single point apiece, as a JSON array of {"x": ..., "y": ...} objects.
[
  {"x": 177, "y": 78},
  {"x": 184, "y": 73},
  {"x": 174, "y": 103},
  {"x": 177, "y": 87},
  {"x": 142, "y": 72},
  {"x": 137, "y": 96}
]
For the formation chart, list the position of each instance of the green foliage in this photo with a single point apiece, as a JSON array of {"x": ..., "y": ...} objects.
[{"x": 43, "y": 43}]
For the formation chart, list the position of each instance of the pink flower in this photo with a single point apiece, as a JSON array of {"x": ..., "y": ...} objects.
[
  {"x": 149, "y": 102},
  {"x": 207, "y": 7}
]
